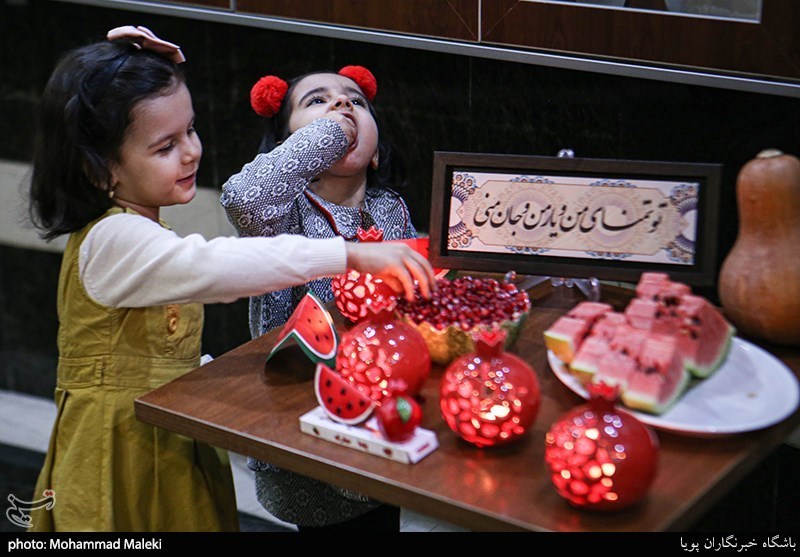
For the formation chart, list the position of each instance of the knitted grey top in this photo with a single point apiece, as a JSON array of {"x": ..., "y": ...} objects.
[{"x": 270, "y": 197}]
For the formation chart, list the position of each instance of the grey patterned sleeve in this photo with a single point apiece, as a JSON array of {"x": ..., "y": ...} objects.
[{"x": 257, "y": 198}]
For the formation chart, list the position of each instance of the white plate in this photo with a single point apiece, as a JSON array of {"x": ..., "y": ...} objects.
[{"x": 751, "y": 390}]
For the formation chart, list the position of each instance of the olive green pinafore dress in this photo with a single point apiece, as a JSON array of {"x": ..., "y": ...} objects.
[{"x": 109, "y": 471}]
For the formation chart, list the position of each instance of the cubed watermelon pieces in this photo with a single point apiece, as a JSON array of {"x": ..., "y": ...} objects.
[
  {"x": 660, "y": 377},
  {"x": 704, "y": 336},
  {"x": 665, "y": 336}
]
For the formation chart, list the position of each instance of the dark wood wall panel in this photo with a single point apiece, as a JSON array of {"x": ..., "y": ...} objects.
[
  {"x": 224, "y": 4},
  {"x": 451, "y": 19},
  {"x": 769, "y": 48}
]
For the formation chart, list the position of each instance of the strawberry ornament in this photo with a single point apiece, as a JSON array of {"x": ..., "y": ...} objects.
[{"x": 352, "y": 289}]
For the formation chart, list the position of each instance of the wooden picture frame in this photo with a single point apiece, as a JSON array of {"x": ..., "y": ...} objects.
[{"x": 575, "y": 218}]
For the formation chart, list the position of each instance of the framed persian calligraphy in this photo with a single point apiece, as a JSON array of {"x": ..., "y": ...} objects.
[{"x": 573, "y": 217}]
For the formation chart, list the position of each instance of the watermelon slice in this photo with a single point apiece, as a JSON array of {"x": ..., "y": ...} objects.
[
  {"x": 671, "y": 292},
  {"x": 628, "y": 340},
  {"x": 704, "y": 336},
  {"x": 565, "y": 336},
  {"x": 311, "y": 327},
  {"x": 590, "y": 311},
  {"x": 660, "y": 377},
  {"x": 614, "y": 369},
  {"x": 615, "y": 366},
  {"x": 340, "y": 398},
  {"x": 642, "y": 312},
  {"x": 586, "y": 362},
  {"x": 607, "y": 323},
  {"x": 650, "y": 283}
]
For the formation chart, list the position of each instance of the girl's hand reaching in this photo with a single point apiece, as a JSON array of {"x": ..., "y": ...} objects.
[{"x": 397, "y": 264}]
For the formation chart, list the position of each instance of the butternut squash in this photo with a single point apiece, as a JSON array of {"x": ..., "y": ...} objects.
[{"x": 759, "y": 282}]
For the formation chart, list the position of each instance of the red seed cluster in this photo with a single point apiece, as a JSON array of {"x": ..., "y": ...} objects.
[{"x": 466, "y": 302}]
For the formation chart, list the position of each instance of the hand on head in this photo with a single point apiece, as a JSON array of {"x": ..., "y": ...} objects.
[
  {"x": 397, "y": 264},
  {"x": 142, "y": 37}
]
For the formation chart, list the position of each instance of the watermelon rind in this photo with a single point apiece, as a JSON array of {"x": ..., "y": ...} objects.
[
  {"x": 702, "y": 372},
  {"x": 289, "y": 335},
  {"x": 564, "y": 337},
  {"x": 652, "y": 405},
  {"x": 361, "y": 405},
  {"x": 585, "y": 363}
]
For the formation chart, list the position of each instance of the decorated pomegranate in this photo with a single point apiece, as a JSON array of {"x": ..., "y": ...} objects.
[
  {"x": 489, "y": 397},
  {"x": 459, "y": 308},
  {"x": 380, "y": 348},
  {"x": 599, "y": 456},
  {"x": 352, "y": 289}
]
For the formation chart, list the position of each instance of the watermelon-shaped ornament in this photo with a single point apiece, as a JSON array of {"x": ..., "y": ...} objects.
[
  {"x": 352, "y": 289},
  {"x": 311, "y": 327},
  {"x": 381, "y": 348},
  {"x": 601, "y": 457},
  {"x": 340, "y": 398}
]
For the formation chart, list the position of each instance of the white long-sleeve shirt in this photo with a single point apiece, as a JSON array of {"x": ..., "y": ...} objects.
[{"x": 128, "y": 260}]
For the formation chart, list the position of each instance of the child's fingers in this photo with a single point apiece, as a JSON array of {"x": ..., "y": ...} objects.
[
  {"x": 347, "y": 125},
  {"x": 400, "y": 280},
  {"x": 393, "y": 283},
  {"x": 422, "y": 272},
  {"x": 397, "y": 264},
  {"x": 147, "y": 31},
  {"x": 142, "y": 37},
  {"x": 415, "y": 270}
]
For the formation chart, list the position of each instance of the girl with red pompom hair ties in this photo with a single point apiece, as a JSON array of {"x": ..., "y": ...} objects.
[{"x": 323, "y": 170}]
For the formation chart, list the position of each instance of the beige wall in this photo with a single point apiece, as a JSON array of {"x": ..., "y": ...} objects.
[{"x": 203, "y": 215}]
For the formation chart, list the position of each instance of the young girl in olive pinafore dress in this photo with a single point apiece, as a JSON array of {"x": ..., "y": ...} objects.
[
  {"x": 116, "y": 143},
  {"x": 102, "y": 456}
]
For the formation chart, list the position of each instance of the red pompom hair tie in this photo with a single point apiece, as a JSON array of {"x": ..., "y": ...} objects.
[
  {"x": 267, "y": 95},
  {"x": 364, "y": 78}
]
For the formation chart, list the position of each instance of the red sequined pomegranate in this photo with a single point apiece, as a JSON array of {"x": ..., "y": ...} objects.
[
  {"x": 352, "y": 289},
  {"x": 381, "y": 348},
  {"x": 599, "y": 456},
  {"x": 489, "y": 397}
]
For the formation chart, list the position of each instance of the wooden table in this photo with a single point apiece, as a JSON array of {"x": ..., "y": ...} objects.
[{"x": 238, "y": 403}]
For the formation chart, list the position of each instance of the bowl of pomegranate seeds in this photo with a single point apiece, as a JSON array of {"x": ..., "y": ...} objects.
[{"x": 461, "y": 307}]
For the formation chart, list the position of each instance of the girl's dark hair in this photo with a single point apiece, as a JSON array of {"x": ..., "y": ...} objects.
[
  {"x": 84, "y": 114},
  {"x": 390, "y": 172}
]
